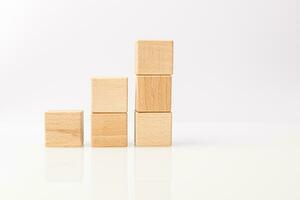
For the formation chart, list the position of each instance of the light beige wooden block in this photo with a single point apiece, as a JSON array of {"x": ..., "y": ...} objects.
[
  {"x": 153, "y": 129},
  {"x": 64, "y": 128},
  {"x": 109, "y": 129},
  {"x": 154, "y": 57},
  {"x": 109, "y": 94},
  {"x": 153, "y": 93}
]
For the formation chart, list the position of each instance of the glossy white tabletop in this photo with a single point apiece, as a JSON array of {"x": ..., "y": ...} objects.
[{"x": 208, "y": 161}]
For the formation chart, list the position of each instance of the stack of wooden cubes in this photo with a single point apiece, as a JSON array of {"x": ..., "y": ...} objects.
[
  {"x": 153, "y": 116},
  {"x": 109, "y": 112}
]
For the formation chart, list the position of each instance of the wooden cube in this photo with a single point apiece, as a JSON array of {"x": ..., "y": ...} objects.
[
  {"x": 153, "y": 93},
  {"x": 153, "y": 129},
  {"x": 109, "y": 129},
  {"x": 154, "y": 57},
  {"x": 64, "y": 128},
  {"x": 109, "y": 94}
]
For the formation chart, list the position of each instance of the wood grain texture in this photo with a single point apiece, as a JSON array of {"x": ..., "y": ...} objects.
[
  {"x": 153, "y": 93},
  {"x": 64, "y": 128},
  {"x": 109, "y": 130},
  {"x": 153, "y": 129},
  {"x": 154, "y": 57},
  {"x": 109, "y": 94}
]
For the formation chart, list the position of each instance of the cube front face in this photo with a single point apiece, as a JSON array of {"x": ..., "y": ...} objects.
[
  {"x": 64, "y": 128},
  {"x": 153, "y": 93},
  {"x": 153, "y": 129},
  {"x": 109, "y": 130},
  {"x": 109, "y": 94},
  {"x": 154, "y": 57}
]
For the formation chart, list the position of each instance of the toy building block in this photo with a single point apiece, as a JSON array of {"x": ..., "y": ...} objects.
[
  {"x": 109, "y": 94},
  {"x": 64, "y": 128},
  {"x": 153, "y": 93},
  {"x": 153, "y": 129},
  {"x": 109, "y": 130},
  {"x": 154, "y": 57}
]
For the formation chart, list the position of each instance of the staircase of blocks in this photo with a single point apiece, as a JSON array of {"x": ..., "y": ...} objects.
[{"x": 109, "y": 105}]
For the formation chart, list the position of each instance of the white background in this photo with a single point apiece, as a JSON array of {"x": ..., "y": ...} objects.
[{"x": 236, "y": 82}]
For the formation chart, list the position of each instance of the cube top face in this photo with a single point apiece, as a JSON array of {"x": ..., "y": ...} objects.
[
  {"x": 64, "y": 128},
  {"x": 65, "y": 111},
  {"x": 109, "y": 130},
  {"x": 109, "y": 94},
  {"x": 153, "y": 93},
  {"x": 153, "y": 129},
  {"x": 154, "y": 57}
]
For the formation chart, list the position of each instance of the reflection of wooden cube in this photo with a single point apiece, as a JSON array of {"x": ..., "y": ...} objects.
[
  {"x": 109, "y": 94},
  {"x": 109, "y": 129},
  {"x": 153, "y": 129},
  {"x": 153, "y": 93},
  {"x": 149, "y": 189},
  {"x": 64, "y": 128},
  {"x": 154, "y": 57},
  {"x": 146, "y": 167},
  {"x": 109, "y": 174},
  {"x": 64, "y": 166}
]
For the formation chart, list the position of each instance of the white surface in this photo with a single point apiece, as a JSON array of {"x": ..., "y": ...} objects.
[
  {"x": 208, "y": 161},
  {"x": 236, "y": 98}
]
